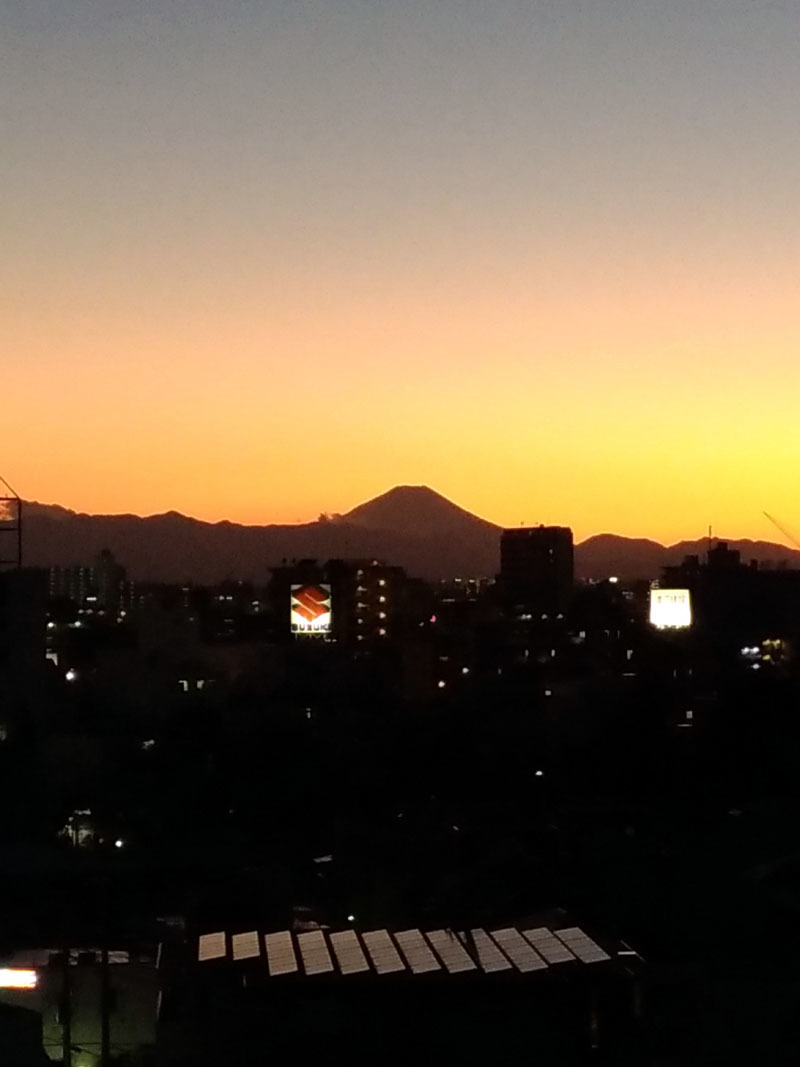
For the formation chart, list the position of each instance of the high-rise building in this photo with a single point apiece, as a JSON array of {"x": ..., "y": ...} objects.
[
  {"x": 103, "y": 586},
  {"x": 357, "y": 602},
  {"x": 537, "y": 566}
]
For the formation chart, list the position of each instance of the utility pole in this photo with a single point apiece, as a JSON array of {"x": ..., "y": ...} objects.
[
  {"x": 105, "y": 977},
  {"x": 105, "y": 1006},
  {"x": 66, "y": 1013}
]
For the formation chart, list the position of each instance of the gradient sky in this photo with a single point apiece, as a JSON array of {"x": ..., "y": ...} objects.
[{"x": 262, "y": 259}]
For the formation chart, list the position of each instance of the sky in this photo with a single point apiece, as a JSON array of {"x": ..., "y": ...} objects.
[{"x": 261, "y": 259}]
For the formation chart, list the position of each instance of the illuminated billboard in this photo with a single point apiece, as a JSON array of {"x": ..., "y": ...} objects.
[
  {"x": 670, "y": 609},
  {"x": 310, "y": 611}
]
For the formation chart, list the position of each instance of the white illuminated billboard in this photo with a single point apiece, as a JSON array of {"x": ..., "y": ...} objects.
[
  {"x": 310, "y": 611},
  {"x": 670, "y": 609}
]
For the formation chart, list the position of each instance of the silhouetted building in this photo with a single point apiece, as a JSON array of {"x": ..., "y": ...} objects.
[
  {"x": 537, "y": 567},
  {"x": 23, "y": 629},
  {"x": 356, "y": 602},
  {"x": 100, "y": 587},
  {"x": 739, "y": 606}
]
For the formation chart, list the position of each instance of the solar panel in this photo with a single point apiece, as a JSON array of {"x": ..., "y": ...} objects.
[
  {"x": 385, "y": 957},
  {"x": 490, "y": 957},
  {"x": 211, "y": 947},
  {"x": 348, "y": 951},
  {"x": 316, "y": 958},
  {"x": 581, "y": 944},
  {"x": 547, "y": 945},
  {"x": 280, "y": 953},
  {"x": 451, "y": 952},
  {"x": 245, "y": 946},
  {"x": 518, "y": 950},
  {"x": 417, "y": 952}
]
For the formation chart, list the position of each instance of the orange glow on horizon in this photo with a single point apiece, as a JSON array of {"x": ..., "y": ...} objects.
[{"x": 295, "y": 257}]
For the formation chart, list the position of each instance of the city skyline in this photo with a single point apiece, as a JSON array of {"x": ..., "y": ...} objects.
[{"x": 267, "y": 260}]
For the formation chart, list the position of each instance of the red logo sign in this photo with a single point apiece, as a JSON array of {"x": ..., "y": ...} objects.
[{"x": 311, "y": 602}]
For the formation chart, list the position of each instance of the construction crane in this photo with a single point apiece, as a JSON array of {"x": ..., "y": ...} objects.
[
  {"x": 783, "y": 530},
  {"x": 11, "y": 526}
]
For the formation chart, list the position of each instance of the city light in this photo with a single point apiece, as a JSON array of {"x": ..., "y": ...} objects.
[
  {"x": 670, "y": 609},
  {"x": 18, "y": 978}
]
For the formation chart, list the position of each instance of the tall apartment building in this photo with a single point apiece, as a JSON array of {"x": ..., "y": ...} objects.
[{"x": 537, "y": 566}]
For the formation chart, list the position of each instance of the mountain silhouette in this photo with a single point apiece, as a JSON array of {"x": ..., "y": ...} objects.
[
  {"x": 411, "y": 526},
  {"x": 418, "y": 511}
]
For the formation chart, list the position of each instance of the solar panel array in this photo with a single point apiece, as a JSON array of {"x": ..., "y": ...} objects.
[
  {"x": 280, "y": 953},
  {"x": 490, "y": 957},
  {"x": 349, "y": 954},
  {"x": 581, "y": 944},
  {"x": 518, "y": 950},
  {"x": 245, "y": 946},
  {"x": 211, "y": 947},
  {"x": 345, "y": 952},
  {"x": 314, "y": 950},
  {"x": 451, "y": 952},
  {"x": 385, "y": 957},
  {"x": 548, "y": 946},
  {"x": 417, "y": 952}
]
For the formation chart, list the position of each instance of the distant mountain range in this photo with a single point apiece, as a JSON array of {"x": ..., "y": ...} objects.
[{"x": 412, "y": 526}]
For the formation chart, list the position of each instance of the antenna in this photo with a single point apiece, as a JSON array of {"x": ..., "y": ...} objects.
[{"x": 10, "y": 527}]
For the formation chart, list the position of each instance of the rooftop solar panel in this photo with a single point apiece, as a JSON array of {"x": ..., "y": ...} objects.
[
  {"x": 548, "y": 946},
  {"x": 384, "y": 955},
  {"x": 211, "y": 947},
  {"x": 451, "y": 952},
  {"x": 245, "y": 946},
  {"x": 518, "y": 950},
  {"x": 349, "y": 954},
  {"x": 581, "y": 944},
  {"x": 280, "y": 953},
  {"x": 417, "y": 952},
  {"x": 316, "y": 958},
  {"x": 490, "y": 957}
]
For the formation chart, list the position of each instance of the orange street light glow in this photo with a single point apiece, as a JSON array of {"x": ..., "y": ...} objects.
[{"x": 18, "y": 978}]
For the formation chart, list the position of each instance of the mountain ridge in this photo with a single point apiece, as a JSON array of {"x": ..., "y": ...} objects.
[{"x": 412, "y": 526}]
